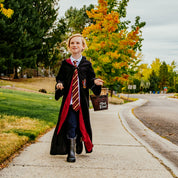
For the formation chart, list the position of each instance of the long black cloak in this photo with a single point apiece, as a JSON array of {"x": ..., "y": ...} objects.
[{"x": 86, "y": 82}]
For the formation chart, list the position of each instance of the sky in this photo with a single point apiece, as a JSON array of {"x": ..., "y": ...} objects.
[{"x": 161, "y": 31}]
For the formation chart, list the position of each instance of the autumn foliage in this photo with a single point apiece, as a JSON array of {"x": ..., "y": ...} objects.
[
  {"x": 111, "y": 51},
  {"x": 7, "y": 12}
]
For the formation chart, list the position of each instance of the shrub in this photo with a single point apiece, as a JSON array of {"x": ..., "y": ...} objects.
[
  {"x": 176, "y": 87},
  {"x": 42, "y": 90},
  {"x": 171, "y": 90}
]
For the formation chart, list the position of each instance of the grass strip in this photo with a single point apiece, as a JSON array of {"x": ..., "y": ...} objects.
[
  {"x": 23, "y": 117},
  {"x": 26, "y": 104}
]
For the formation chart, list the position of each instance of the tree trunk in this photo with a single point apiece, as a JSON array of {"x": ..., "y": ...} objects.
[
  {"x": 111, "y": 93},
  {"x": 37, "y": 70},
  {"x": 16, "y": 75},
  {"x": 21, "y": 73}
]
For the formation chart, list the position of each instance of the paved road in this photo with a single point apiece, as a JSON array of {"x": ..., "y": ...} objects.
[{"x": 161, "y": 115}]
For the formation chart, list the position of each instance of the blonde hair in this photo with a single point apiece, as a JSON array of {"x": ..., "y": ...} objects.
[{"x": 77, "y": 35}]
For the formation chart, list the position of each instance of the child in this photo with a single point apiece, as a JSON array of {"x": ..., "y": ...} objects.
[{"x": 75, "y": 78}]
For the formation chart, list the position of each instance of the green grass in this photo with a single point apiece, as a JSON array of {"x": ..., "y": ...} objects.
[
  {"x": 25, "y": 104},
  {"x": 23, "y": 117}
]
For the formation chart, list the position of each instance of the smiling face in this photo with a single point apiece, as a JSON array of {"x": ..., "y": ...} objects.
[{"x": 76, "y": 45}]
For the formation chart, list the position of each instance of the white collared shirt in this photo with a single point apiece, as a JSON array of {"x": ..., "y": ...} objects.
[
  {"x": 77, "y": 63},
  {"x": 78, "y": 60}
]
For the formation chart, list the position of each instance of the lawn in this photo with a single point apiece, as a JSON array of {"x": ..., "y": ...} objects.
[
  {"x": 26, "y": 104},
  {"x": 23, "y": 117},
  {"x": 34, "y": 84}
]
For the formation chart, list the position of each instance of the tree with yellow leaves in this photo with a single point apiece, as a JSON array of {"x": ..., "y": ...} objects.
[
  {"x": 112, "y": 51},
  {"x": 7, "y": 12}
]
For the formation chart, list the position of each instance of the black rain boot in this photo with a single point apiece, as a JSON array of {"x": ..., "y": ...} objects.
[
  {"x": 79, "y": 145},
  {"x": 71, "y": 151}
]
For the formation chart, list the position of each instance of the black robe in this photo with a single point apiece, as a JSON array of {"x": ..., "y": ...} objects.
[{"x": 86, "y": 81}]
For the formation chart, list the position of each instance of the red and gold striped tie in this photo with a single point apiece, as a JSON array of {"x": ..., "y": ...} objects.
[{"x": 75, "y": 90}]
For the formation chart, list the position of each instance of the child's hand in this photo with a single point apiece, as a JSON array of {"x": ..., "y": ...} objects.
[
  {"x": 59, "y": 86},
  {"x": 98, "y": 82}
]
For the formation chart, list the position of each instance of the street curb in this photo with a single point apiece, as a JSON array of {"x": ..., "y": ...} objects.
[
  {"x": 168, "y": 164},
  {"x": 173, "y": 99}
]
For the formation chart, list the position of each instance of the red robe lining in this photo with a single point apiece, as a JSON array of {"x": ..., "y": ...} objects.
[{"x": 85, "y": 136}]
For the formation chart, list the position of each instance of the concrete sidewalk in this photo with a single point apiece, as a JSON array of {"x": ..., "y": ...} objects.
[{"x": 116, "y": 153}]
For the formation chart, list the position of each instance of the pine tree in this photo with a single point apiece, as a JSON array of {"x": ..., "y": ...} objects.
[
  {"x": 163, "y": 75},
  {"x": 154, "y": 81},
  {"x": 24, "y": 36}
]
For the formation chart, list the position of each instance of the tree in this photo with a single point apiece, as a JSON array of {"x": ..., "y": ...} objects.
[
  {"x": 112, "y": 52},
  {"x": 163, "y": 75},
  {"x": 154, "y": 81},
  {"x": 27, "y": 34},
  {"x": 172, "y": 77},
  {"x": 156, "y": 66},
  {"x": 76, "y": 20},
  {"x": 120, "y": 7},
  {"x": 7, "y": 12}
]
